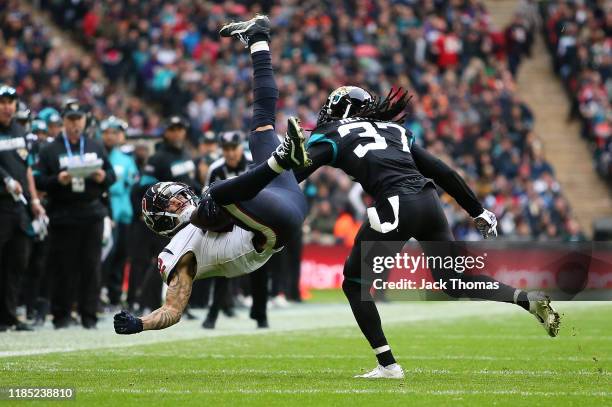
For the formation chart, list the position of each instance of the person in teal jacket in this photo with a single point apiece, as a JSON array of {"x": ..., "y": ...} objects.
[{"x": 113, "y": 132}]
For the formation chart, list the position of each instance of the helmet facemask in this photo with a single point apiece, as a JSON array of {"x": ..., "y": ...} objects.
[{"x": 162, "y": 205}]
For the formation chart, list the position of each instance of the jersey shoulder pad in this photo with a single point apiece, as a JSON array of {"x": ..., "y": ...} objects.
[
  {"x": 185, "y": 241},
  {"x": 328, "y": 133}
]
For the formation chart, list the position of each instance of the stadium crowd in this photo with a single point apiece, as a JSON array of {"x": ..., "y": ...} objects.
[
  {"x": 579, "y": 38},
  {"x": 459, "y": 68}
]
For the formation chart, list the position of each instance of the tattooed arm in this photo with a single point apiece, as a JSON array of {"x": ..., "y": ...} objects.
[{"x": 177, "y": 296}]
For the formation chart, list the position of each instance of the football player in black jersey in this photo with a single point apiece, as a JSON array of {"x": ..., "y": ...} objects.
[{"x": 364, "y": 137}]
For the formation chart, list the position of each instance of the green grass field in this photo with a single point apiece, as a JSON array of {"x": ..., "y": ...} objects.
[{"x": 453, "y": 354}]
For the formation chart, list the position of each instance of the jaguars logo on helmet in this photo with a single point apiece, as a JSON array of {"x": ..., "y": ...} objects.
[{"x": 346, "y": 101}]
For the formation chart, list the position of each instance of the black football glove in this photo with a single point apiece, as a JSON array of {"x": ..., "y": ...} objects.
[{"x": 126, "y": 323}]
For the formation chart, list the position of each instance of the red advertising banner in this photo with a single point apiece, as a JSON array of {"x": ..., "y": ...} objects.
[{"x": 322, "y": 266}]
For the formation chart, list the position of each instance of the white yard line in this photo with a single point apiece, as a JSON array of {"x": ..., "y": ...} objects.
[
  {"x": 296, "y": 318},
  {"x": 269, "y": 372},
  {"x": 450, "y": 392}
]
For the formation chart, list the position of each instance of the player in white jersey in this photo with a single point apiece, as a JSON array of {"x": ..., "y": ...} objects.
[{"x": 239, "y": 223}]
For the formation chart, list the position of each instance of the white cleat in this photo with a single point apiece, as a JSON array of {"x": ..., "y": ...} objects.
[
  {"x": 539, "y": 306},
  {"x": 393, "y": 371}
]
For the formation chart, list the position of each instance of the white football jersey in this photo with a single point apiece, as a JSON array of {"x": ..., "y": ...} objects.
[{"x": 228, "y": 254}]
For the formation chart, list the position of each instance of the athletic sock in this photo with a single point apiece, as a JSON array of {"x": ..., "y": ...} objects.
[
  {"x": 258, "y": 38},
  {"x": 265, "y": 91},
  {"x": 384, "y": 355},
  {"x": 520, "y": 298}
]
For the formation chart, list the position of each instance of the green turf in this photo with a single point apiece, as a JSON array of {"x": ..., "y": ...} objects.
[
  {"x": 326, "y": 296},
  {"x": 503, "y": 360}
]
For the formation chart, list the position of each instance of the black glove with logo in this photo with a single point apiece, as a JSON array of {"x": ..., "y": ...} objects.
[{"x": 126, "y": 323}]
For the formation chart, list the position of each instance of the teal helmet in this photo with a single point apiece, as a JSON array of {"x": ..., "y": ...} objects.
[
  {"x": 39, "y": 125},
  {"x": 50, "y": 115},
  {"x": 113, "y": 122}
]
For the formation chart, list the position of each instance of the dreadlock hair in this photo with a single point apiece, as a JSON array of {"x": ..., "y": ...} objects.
[{"x": 387, "y": 109}]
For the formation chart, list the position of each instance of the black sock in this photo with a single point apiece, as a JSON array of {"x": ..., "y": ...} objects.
[
  {"x": 522, "y": 300},
  {"x": 385, "y": 358}
]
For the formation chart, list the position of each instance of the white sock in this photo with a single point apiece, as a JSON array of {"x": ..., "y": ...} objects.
[
  {"x": 260, "y": 46},
  {"x": 381, "y": 349},
  {"x": 517, "y": 292},
  {"x": 274, "y": 165}
]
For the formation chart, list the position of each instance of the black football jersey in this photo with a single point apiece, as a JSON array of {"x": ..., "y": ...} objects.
[{"x": 375, "y": 154}]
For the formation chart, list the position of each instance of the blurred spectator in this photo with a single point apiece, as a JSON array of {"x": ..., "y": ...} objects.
[
  {"x": 53, "y": 120},
  {"x": 446, "y": 52},
  {"x": 17, "y": 198},
  {"x": 75, "y": 172},
  {"x": 233, "y": 163},
  {"x": 579, "y": 37},
  {"x": 45, "y": 71},
  {"x": 113, "y": 130}
]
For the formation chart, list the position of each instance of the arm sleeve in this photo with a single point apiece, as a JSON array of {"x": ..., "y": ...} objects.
[
  {"x": 4, "y": 173},
  {"x": 321, "y": 154},
  {"x": 110, "y": 173},
  {"x": 447, "y": 178},
  {"x": 44, "y": 177}
]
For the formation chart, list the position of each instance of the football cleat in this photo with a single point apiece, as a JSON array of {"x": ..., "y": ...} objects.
[
  {"x": 244, "y": 30},
  {"x": 291, "y": 153},
  {"x": 393, "y": 371},
  {"x": 539, "y": 306}
]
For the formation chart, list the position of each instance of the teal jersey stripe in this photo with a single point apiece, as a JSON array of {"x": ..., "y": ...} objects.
[{"x": 321, "y": 138}]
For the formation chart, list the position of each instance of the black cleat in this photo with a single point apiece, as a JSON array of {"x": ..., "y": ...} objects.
[
  {"x": 245, "y": 30},
  {"x": 62, "y": 323},
  {"x": 228, "y": 312},
  {"x": 291, "y": 153},
  {"x": 209, "y": 323},
  {"x": 23, "y": 327},
  {"x": 263, "y": 323}
]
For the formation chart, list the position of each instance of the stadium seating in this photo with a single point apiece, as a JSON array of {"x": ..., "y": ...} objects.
[
  {"x": 579, "y": 38},
  {"x": 464, "y": 109}
]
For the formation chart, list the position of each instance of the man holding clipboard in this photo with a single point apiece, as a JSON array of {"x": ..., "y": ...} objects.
[{"x": 75, "y": 173}]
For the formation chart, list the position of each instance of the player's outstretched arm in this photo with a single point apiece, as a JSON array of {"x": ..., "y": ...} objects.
[
  {"x": 450, "y": 181},
  {"x": 177, "y": 297},
  {"x": 447, "y": 178},
  {"x": 320, "y": 154}
]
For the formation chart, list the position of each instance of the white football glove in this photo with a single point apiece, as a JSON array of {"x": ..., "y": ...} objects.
[{"x": 486, "y": 223}]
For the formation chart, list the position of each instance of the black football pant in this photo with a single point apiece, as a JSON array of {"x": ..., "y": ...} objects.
[
  {"x": 115, "y": 262},
  {"x": 35, "y": 286},
  {"x": 14, "y": 253},
  {"x": 74, "y": 265},
  {"x": 221, "y": 298},
  {"x": 145, "y": 283},
  {"x": 420, "y": 216}
]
